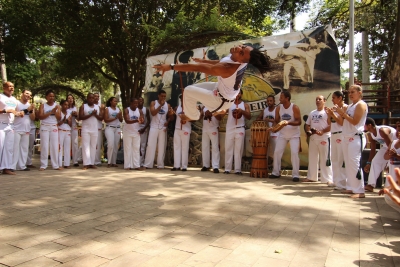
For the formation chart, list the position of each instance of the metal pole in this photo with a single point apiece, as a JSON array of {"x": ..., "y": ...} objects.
[{"x": 351, "y": 48}]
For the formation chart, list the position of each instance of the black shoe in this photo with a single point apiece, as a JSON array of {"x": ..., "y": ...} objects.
[
  {"x": 26, "y": 169},
  {"x": 238, "y": 173},
  {"x": 204, "y": 169},
  {"x": 216, "y": 170},
  {"x": 296, "y": 179},
  {"x": 226, "y": 172},
  {"x": 274, "y": 176},
  {"x": 184, "y": 170},
  {"x": 175, "y": 169},
  {"x": 76, "y": 165}
]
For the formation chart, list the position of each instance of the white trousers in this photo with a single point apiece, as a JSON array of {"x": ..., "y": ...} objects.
[
  {"x": 75, "y": 147},
  {"x": 337, "y": 159},
  {"x": 157, "y": 139},
  {"x": 89, "y": 143},
  {"x": 271, "y": 146},
  {"x": 181, "y": 148},
  {"x": 234, "y": 142},
  {"x": 48, "y": 139},
  {"x": 32, "y": 138},
  {"x": 392, "y": 173},
  {"x": 352, "y": 156},
  {"x": 378, "y": 163},
  {"x": 131, "y": 150},
  {"x": 281, "y": 143},
  {"x": 21, "y": 147},
  {"x": 299, "y": 68},
  {"x": 65, "y": 148},
  {"x": 99, "y": 147},
  {"x": 113, "y": 136},
  {"x": 390, "y": 202},
  {"x": 318, "y": 152},
  {"x": 143, "y": 143},
  {"x": 205, "y": 149},
  {"x": 203, "y": 93}
]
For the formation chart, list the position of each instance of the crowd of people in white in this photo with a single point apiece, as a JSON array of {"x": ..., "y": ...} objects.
[{"x": 337, "y": 135}]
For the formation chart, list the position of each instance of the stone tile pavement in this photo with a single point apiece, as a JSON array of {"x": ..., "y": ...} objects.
[{"x": 112, "y": 217}]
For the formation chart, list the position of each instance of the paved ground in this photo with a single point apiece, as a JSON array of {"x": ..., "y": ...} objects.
[{"x": 112, "y": 217}]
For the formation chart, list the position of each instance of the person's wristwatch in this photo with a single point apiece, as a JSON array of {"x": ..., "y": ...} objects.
[{"x": 172, "y": 66}]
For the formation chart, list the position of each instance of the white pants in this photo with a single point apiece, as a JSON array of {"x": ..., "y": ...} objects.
[
  {"x": 32, "y": 138},
  {"x": 48, "y": 139},
  {"x": 74, "y": 144},
  {"x": 390, "y": 202},
  {"x": 378, "y": 163},
  {"x": 392, "y": 173},
  {"x": 234, "y": 142},
  {"x": 89, "y": 143},
  {"x": 113, "y": 136},
  {"x": 281, "y": 143},
  {"x": 203, "y": 93},
  {"x": 299, "y": 68},
  {"x": 205, "y": 149},
  {"x": 6, "y": 146},
  {"x": 99, "y": 147},
  {"x": 143, "y": 143},
  {"x": 157, "y": 139},
  {"x": 181, "y": 148},
  {"x": 337, "y": 159},
  {"x": 65, "y": 148},
  {"x": 318, "y": 153},
  {"x": 352, "y": 156},
  {"x": 131, "y": 150},
  {"x": 21, "y": 147},
  {"x": 271, "y": 146}
]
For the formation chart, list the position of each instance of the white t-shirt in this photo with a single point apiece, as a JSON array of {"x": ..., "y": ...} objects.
[
  {"x": 160, "y": 118},
  {"x": 318, "y": 119},
  {"x": 132, "y": 127},
  {"x": 74, "y": 124},
  {"x": 22, "y": 124},
  {"x": 7, "y": 103},
  {"x": 210, "y": 126},
  {"x": 65, "y": 126},
  {"x": 91, "y": 124},
  {"x": 270, "y": 115},
  {"x": 231, "y": 122},
  {"x": 230, "y": 87},
  {"x": 50, "y": 120},
  {"x": 187, "y": 127},
  {"x": 289, "y": 131},
  {"x": 378, "y": 138},
  {"x": 113, "y": 114},
  {"x": 350, "y": 129}
]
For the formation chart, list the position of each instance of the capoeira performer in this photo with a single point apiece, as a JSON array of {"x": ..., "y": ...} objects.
[
  {"x": 268, "y": 115},
  {"x": 337, "y": 157},
  {"x": 384, "y": 135},
  {"x": 161, "y": 114},
  {"x": 235, "y": 133},
  {"x": 288, "y": 114},
  {"x": 22, "y": 130},
  {"x": 217, "y": 96},
  {"x": 210, "y": 132},
  {"x": 133, "y": 118},
  {"x": 32, "y": 139},
  {"x": 49, "y": 115},
  {"x": 318, "y": 127},
  {"x": 112, "y": 118},
  {"x": 181, "y": 141},
  {"x": 89, "y": 114},
  {"x": 74, "y": 129},
  {"x": 144, "y": 130},
  {"x": 8, "y": 104},
  {"x": 64, "y": 134},
  {"x": 354, "y": 117},
  {"x": 99, "y": 146}
]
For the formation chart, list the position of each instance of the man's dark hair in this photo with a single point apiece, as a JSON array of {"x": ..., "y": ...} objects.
[
  {"x": 272, "y": 96},
  {"x": 133, "y": 99},
  {"x": 162, "y": 92},
  {"x": 287, "y": 94},
  {"x": 63, "y": 101},
  {"x": 259, "y": 60},
  {"x": 370, "y": 121}
]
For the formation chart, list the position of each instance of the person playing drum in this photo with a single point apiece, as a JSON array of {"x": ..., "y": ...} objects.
[{"x": 268, "y": 115}]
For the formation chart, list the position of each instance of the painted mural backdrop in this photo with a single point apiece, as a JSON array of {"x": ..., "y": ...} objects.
[{"x": 306, "y": 63}]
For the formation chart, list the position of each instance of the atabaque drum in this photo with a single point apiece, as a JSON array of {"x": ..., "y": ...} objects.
[{"x": 259, "y": 143}]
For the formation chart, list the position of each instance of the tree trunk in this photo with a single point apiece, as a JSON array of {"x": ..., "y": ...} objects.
[{"x": 393, "y": 62}]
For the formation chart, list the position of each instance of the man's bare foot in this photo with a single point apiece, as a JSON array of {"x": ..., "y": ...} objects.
[
  {"x": 31, "y": 166},
  {"x": 369, "y": 188},
  {"x": 67, "y": 167},
  {"x": 85, "y": 168},
  {"x": 109, "y": 165},
  {"x": 114, "y": 165},
  {"x": 127, "y": 169},
  {"x": 308, "y": 181},
  {"x": 347, "y": 192},
  {"x": 357, "y": 196},
  {"x": 58, "y": 169},
  {"x": 41, "y": 169},
  {"x": 10, "y": 172},
  {"x": 92, "y": 167}
]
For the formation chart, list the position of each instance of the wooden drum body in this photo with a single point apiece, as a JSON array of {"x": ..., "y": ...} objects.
[{"x": 259, "y": 142}]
